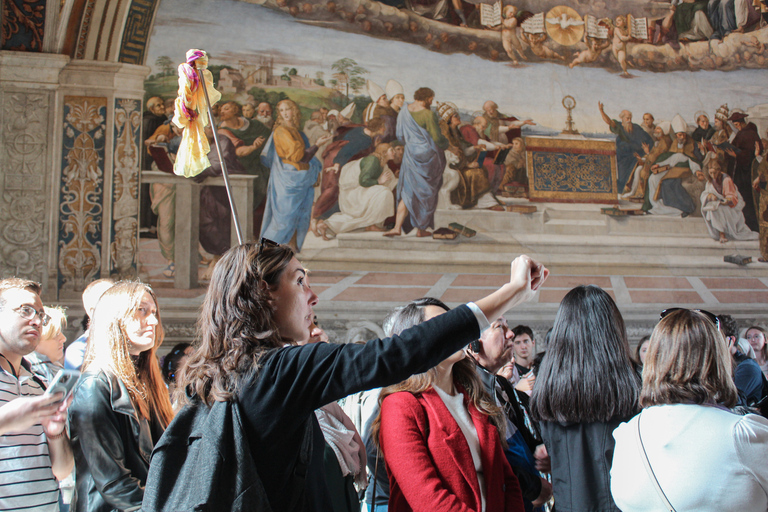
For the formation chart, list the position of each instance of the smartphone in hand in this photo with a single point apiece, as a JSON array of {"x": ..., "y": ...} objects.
[{"x": 64, "y": 382}]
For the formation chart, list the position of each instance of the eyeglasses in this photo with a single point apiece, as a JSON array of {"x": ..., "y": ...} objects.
[
  {"x": 266, "y": 242},
  {"x": 28, "y": 313},
  {"x": 711, "y": 316}
]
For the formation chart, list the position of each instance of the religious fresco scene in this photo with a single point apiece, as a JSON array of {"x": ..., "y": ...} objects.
[
  {"x": 621, "y": 143},
  {"x": 555, "y": 123}
]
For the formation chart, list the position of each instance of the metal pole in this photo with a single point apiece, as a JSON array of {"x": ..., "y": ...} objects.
[{"x": 224, "y": 172}]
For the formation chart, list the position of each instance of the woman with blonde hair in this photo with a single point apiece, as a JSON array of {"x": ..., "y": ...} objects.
[
  {"x": 48, "y": 357},
  {"x": 440, "y": 435},
  {"x": 686, "y": 450},
  {"x": 293, "y": 173},
  {"x": 121, "y": 406}
]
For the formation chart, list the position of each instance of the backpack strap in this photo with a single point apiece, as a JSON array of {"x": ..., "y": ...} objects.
[{"x": 299, "y": 477}]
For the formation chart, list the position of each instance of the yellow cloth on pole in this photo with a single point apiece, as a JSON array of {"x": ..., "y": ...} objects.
[{"x": 191, "y": 114}]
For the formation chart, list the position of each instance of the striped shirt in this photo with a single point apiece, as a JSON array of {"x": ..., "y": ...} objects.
[{"x": 26, "y": 478}]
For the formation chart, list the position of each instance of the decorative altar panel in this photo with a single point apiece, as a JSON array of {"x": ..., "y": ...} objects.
[{"x": 571, "y": 169}]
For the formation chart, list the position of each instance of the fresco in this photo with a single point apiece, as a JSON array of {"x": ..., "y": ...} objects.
[{"x": 633, "y": 85}]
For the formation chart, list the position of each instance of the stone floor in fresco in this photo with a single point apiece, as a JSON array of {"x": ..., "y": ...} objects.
[{"x": 647, "y": 263}]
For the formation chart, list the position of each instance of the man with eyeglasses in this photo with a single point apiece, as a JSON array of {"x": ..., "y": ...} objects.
[{"x": 36, "y": 450}]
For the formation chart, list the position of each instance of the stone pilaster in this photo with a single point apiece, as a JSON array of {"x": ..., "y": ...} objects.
[{"x": 28, "y": 85}]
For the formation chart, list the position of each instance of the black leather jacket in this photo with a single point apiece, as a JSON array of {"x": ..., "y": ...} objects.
[{"x": 111, "y": 445}]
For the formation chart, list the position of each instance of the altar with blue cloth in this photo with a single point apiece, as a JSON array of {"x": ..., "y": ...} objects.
[{"x": 572, "y": 169}]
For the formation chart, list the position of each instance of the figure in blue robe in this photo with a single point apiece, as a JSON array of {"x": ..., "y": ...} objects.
[{"x": 290, "y": 190}]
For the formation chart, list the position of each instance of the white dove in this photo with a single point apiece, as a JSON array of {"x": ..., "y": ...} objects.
[{"x": 564, "y": 21}]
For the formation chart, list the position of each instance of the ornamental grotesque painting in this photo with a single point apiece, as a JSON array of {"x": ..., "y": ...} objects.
[{"x": 81, "y": 188}]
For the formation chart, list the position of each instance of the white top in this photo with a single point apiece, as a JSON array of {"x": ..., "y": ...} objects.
[
  {"x": 705, "y": 459},
  {"x": 455, "y": 405}
]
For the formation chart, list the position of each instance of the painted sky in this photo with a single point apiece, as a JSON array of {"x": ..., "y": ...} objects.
[{"x": 236, "y": 29}]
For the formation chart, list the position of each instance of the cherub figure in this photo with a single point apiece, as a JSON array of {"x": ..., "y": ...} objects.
[
  {"x": 509, "y": 39},
  {"x": 621, "y": 36},
  {"x": 594, "y": 49},
  {"x": 536, "y": 42}
]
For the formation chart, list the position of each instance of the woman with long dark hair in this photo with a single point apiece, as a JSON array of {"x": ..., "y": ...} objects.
[
  {"x": 585, "y": 388},
  {"x": 258, "y": 306},
  {"x": 439, "y": 433},
  {"x": 686, "y": 450},
  {"x": 121, "y": 406}
]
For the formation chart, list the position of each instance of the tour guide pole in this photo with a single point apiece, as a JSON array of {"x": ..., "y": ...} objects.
[{"x": 224, "y": 172}]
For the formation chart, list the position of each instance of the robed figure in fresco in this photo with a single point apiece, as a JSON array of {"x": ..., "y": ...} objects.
[
  {"x": 421, "y": 173},
  {"x": 293, "y": 172}
]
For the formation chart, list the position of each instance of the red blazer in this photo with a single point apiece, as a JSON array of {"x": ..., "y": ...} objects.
[{"x": 429, "y": 463}]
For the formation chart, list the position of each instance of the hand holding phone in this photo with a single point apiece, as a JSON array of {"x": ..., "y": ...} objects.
[{"x": 64, "y": 382}]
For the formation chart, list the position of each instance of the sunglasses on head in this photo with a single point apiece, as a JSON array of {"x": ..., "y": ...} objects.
[
  {"x": 266, "y": 243},
  {"x": 711, "y": 316}
]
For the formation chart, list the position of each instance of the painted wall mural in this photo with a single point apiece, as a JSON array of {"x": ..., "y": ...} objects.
[
  {"x": 81, "y": 206},
  {"x": 638, "y": 74},
  {"x": 656, "y": 36}
]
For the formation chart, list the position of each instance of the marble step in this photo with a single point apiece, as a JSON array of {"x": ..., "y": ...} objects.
[
  {"x": 575, "y": 261},
  {"x": 570, "y": 219},
  {"x": 594, "y": 245}
]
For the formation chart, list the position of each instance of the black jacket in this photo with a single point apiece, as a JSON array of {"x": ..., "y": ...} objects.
[
  {"x": 111, "y": 445},
  {"x": 277, "y": 401},
  {"x": 581, "y": 455}
]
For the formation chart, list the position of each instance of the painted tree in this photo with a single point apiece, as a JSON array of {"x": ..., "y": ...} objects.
[
  {"x": 165, "y": 63},
  {"x": 349, "y": 73}
]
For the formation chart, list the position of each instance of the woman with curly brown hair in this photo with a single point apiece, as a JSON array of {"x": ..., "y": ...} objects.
[
  {"x": 258, "y": 306},
  {"x": 121, "y": 406},
  {"x": 293, "y": 173},
  {"x": 439, "y": 433}
]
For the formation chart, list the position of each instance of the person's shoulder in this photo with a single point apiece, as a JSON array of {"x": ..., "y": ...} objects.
[
  {"x": 400, "y": 399},
  {"x": 750, "y": 436},
  {"x": 92, "y": 384}
]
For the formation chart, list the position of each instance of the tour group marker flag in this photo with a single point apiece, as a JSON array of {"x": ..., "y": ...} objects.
[{"x": 191, "y": 114}]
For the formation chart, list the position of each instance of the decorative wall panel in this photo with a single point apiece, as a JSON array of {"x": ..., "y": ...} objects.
[
  {"x": 22, "y": 27},
  {"x": 125, "y": 185},
  {"x": 137, "y": 31},
  {"x": 82, "y": 185},
  {"x": 22, "y": 186}
]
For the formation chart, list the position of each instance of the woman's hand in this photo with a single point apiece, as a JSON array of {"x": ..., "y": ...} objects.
[
  {"x": 526, "y": 277},
  {"x": 528, "y": 274}
]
